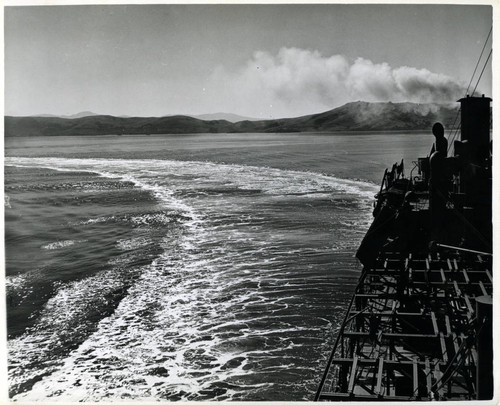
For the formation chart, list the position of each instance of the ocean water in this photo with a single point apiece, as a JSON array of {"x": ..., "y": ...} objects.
[{"x": 184, "y": 267}]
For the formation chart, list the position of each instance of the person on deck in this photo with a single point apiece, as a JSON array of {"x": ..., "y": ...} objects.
[
  {"x": 441, "y": 144},
  {"x": 438, "y": 181}
]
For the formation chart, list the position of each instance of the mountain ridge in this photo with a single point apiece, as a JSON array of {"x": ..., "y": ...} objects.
[
  {"x": 71, "y": 116},
  {"x": 223, "y": 116},
  {"x": 354, "y": 116}
]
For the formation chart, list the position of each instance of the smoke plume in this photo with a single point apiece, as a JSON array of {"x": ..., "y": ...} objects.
[{"x": 298, "y": 81}]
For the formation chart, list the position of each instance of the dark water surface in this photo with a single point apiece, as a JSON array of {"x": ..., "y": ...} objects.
[{"x": 188, "y": 267}]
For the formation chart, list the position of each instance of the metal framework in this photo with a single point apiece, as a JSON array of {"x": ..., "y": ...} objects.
[{"x": 410, "y": 331}]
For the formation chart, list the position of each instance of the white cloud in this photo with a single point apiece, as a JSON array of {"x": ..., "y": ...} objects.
[
  {"x": 421, "y": 85},
  {"x": 298, "y": 81}
]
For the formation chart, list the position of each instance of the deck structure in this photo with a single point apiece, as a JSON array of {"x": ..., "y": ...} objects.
[
  {"x": 412, "y": 329},
  {"x": 419, "y": 324}
]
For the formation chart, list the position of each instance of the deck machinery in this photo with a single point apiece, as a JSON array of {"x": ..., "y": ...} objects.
[{"x": 419, "y": 324}]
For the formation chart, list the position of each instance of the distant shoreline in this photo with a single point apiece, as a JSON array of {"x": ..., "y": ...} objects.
[
  {"x": 357, "y": 117},
  {"x": 325, "y": 133}
]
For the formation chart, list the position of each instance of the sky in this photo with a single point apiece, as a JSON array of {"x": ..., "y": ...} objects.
[{"x": 263, "y": 61}]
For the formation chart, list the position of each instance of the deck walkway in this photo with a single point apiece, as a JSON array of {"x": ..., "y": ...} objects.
[{"x": 410, "y": 331}]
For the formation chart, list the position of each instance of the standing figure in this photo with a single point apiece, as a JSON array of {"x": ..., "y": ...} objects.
[
  {"x": 441, "y": 144},
  {"x": 438, "y": 181}
]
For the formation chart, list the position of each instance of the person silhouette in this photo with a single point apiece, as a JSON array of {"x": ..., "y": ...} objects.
[
  {"x": 438, "y": 181},
  {"x": 441, "y": 144}
]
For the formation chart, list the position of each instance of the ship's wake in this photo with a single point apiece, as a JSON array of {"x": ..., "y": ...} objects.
[{"x": 233, "y": 301}]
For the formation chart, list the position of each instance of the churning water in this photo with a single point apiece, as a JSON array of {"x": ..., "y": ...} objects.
[{"x": 194, "y": 268}]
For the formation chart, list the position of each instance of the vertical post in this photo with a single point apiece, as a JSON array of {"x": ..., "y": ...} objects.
[{"x": 484, "y": 345}]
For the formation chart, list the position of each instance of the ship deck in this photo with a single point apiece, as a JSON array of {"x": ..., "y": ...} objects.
[{"x": 411, "y": 329}]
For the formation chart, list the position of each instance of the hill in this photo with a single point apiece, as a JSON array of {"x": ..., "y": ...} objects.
[
  {"x": 364, "y": 116},
  {"x": 357, "y": 116},
  {"x": 77, "y": 115},
  {"x": 223, "y": 116},
  {"x": 109, "y": 125}
]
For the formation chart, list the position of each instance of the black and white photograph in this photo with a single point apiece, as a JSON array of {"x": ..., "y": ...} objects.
[{"x": 248, "y": 202}]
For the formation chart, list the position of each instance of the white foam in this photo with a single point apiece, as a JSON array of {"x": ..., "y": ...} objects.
[
  {"x": 95, "y": 220},
  {"x": 133, "y": 243},
  {"x": 192, "y": 311},
  {"x": 62, "y": 318},
  {"x": 62, "y": 244},
  {"x": 270, "y": 180},
  {"x": 158, "y": 322},
  {"x": 146, "y": 219}
]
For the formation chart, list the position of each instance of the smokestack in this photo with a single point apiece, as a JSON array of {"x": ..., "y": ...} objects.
[{"x": 475, "y": 124}]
